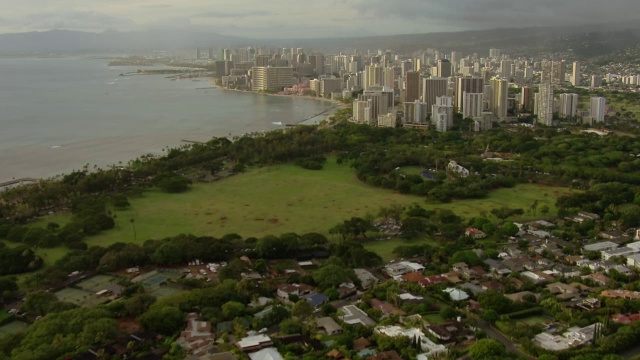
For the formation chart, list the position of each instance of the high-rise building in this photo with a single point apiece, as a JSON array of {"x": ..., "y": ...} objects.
[
  {"x": 597, "y": 109},
  {"x": 466, "y": 85},
  {"x": 329, "y": 85},
  {"x": 374, "y": 76},
  {"x": 499, "y": 94},
  {"x": 389, "y": 78},
  {"x": 495, "y": 53},
  {"x": 442, "y": 110},
  {"x": 432, "y": 88},
  {"x": 415, "y": 112},
  {"x": 262, "y": 60},
  {"x": 379, "y": 103},
  {"x": 226, "y": 54},
  {"x": 545, "y": 105},
  {"x": 455, "y": 59},
  {"x": 552, "y": 72},
  {"x": 413, "y": 86},
  {"x": 596, "y": 81},
  {"x": 271, "y": 78},
  {"x": 362, "y": 111},
  {"x": 472, "y": 105},
  {"x": 317, "y": 61},
  {"x": 575, "y": 76},
  {"x": 526, "y": 99},
  {"x": 444, "y": 68},
  {"x": 505, "y": 69},
  {"x": 314, "y": 84},
  {"x": 568, "y": 105}
]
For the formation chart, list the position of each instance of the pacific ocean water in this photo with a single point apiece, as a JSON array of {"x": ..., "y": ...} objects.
[{"x": 59, "y": 114}]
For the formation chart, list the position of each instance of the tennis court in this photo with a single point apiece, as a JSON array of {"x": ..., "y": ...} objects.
[
  {"x": 95, "y": 283},
  {"x": 79, "y": 297},
  {"x": 165, "y": 291},
  {"x": 153, "y": 279},
  {"x": 13, "y": 327}
]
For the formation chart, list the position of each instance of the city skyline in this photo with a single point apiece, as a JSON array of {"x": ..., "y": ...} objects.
[{"x": 290, "y": 19}]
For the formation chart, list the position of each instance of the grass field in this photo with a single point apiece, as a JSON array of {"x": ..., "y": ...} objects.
[
  {"x": 534, "y": 320},
  {"x": 4, "y": 315},
  {"x": 279, "y": 199},
  {"x": 13, "y": 327},
  {"x": 434, "y": 318}
]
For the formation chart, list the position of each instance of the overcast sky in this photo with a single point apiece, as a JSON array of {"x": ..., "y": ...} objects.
[{"x": 307, "y": 18}]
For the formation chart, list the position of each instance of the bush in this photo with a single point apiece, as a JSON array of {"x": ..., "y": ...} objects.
[{"x": 174, "y": 184}]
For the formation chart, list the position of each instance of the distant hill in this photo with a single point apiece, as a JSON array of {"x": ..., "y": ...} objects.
[{"x": 581, "y": 41}]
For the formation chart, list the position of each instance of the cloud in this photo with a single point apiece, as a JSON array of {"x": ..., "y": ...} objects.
[
  {"x": 473, "y": 14},
  {"x": 232, "y": 14},
  {"x": 78, "y": 20}
]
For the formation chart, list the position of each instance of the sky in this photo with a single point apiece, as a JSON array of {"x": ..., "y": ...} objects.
[{"x": 307, "y": 18}]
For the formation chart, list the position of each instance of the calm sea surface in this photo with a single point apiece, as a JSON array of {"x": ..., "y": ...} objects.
[{"x": 57, "y": 115}]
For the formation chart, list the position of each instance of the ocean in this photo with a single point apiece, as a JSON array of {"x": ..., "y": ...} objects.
[{"x": 57, "y": 115}]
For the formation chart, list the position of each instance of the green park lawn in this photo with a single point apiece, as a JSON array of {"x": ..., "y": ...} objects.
[{"x": 280, "y": 199}]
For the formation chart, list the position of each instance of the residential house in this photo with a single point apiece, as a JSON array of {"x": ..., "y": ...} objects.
[
  {"x": 496, "y": 268},
  {"x": 328, "y": 325},
  {"x": 387, "y": 355},
  {"x": 473, "y": 288},
  {"x": 537, "y": 277},
  {"x": 474, "y": 233},
  {"x": 367, "y": 279},
  {"x": 270, "y": 353},
  {"x": 519, "y": 296},
  {"x": 415, "y": 278},
  {"x": 492, "y": 285},
  {"x": 402, "y": 267},
  {"x": 600, "y": 246},
  {"x": 352, "y": 314},
  {"x": 315, "y": 299},
  {"x": 563, "y": 291},
  {"x": 197, "y": 338},
  {"x": 437, "y": 279},
  {"x": 625, "y": 319},
  {"x": 287, "y": 290},
  {"x": 254, "y": 343},
  {"x": 623, "y": 294},
  {"x": 410, "y": 298},
  {"x": 633, "y": 260},
  {"x": 447, "y": 332},
  {"x": 622, "y": 251},
  {"x": 386, "y": 308},
  {"x": 598, "y": 278}
]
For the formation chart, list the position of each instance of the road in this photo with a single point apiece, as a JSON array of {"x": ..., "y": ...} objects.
[{"x": 497, "y": 335}]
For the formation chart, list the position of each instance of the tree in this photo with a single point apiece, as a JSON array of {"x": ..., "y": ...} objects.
[
  {"x": 447, "y": 312},
  {"x": 332, "y": 275},
  {"x": 487, "y": 349},
  {"x": 302, "y": 309},
  {"x": 164, "y": 320},
  {"x": 232, "y": 310},
  {"x": 7, "y": 285},
  {"x": 291, "y": 326},
  {"x": 510, "y": 229},
  {"x": 492, "y": 300},
  {"x": 138, "y": 304},
  {"x": 490, "y": 316},
  {"x": 39, "y": 302},
  {"x": 174, "y": 184},
  {"x": 100, "y": 332}
]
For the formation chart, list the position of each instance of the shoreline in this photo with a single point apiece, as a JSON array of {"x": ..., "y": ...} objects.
[{"x": 336, "y": 105}]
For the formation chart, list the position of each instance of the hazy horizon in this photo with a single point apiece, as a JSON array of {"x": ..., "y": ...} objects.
[{"x": 281, "y": 19}]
